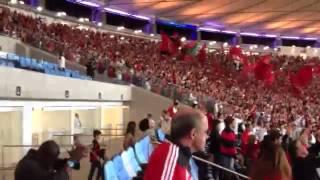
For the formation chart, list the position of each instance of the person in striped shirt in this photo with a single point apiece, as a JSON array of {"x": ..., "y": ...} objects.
[{"x": 171, "y": 159}]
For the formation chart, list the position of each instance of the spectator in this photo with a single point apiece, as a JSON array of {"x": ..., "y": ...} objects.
[
  {"x": 272, "y": 165},
  {"x": 170, "y": 160},
  {"x": 303, "y": 165},
  {"x": 62, "y": 62},
  {"x": 228, "y": 146},
  {"x": 129, "y": 138},
  {"x": 96, "y": 154},
  {"x": 165, "y": 122},
  {"x": 174, "y": 108},
  {"x": 44, "y": 163}
]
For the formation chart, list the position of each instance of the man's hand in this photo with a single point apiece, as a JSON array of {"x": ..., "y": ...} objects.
[{"x": 78, "y": 153}]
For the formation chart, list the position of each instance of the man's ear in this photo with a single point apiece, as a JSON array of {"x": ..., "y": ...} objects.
[{"x": 193, "y": 133}]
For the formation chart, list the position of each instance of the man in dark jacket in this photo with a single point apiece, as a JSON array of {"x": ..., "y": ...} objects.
[{"x": 44, "y": 164}]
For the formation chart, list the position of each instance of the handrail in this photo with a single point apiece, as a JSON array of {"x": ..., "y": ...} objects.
[
  {"x": 220, "y": 167},
  {"x": 213, "y": 164},
  {"x": 67, "y": 135}
]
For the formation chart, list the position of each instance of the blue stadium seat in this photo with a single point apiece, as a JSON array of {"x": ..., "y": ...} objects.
[
  {"x": 23, "y": 63},
  {"x": 160, "y": 135},
  {"x": 12, "y": 57},
  {"x": 128, "y": 165},
  {"x": 120, "y": 169},
  {"x": 10, "y": 64},
  {"x": 28, "y": 62},
  {"x": 133, "y": 159},
  {"x": 110, "y": 171},
  {"x": 34, "y": 64},
  {"x": 142, "y": 149}
]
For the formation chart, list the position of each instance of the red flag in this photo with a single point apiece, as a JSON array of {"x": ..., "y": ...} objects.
[
  {"x": 202, "y": 54},
  {"x": 303, "y": 77},
  {"x": 165, "y": 43}
]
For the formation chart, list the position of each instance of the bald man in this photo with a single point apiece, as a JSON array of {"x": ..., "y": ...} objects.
[{"x": 171, "y": 160}]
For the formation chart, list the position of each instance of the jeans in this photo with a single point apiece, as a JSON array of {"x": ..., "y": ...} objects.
[
  {"x": 227, "y": 162},
  {"x": 95, "y": 165}
]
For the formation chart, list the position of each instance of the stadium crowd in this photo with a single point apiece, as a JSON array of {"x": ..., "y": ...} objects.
[{"x": 266, "y": 127}]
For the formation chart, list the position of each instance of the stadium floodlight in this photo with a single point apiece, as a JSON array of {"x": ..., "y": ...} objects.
[
  {"x": 183, "y": 39},
  {"x": 39, "y": 8},
  {"x": 151, "y": 35},
  {"x": 99, "y": 24}
]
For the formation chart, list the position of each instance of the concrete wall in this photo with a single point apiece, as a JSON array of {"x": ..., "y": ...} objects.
[
  {"x": 13, "y": 45},
  {"x": 41, "y": 86}
]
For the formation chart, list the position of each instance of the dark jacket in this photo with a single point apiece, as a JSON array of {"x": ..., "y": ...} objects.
[
  {"x": 314, "y": 150},
  {"x": 32, "y": 168},
  {"x": 305, "y": 168}
]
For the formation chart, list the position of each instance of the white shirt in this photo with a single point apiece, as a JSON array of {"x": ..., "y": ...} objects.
[
  {"x": 260, "y": 133},
  {"x": 77, "y": 123},
  {"x": 62, "y": 62}
]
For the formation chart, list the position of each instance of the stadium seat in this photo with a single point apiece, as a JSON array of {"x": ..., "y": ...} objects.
[
  {"x": 120, "y": 169},
  {"x": 10, "y": 64},
  {"x": 133, "y": 159},
  {"x": 28, "y": 62},
  {"x": 143, "y": 150},
  {"x": 23, "y": 63},
  {"x": 12, "y": 57},
  {"x": 110, "y": 171},
  {"x": 160, "y": 135},
  {"x": 128, "y": 164}
]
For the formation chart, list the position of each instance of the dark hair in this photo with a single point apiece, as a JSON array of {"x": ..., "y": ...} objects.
[
  {"x": 131, "y": 128},
  {"x": 49, "y": 152},
  {"x": 96, "y": 133},
  {"x": 228, "y": 121},
  {"x": 183, "y": 123}
]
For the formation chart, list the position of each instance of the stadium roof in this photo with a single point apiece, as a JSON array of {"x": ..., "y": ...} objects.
[{"x": 279, "y": 17}]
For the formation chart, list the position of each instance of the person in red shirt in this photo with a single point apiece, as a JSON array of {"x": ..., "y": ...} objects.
[
  {"x": 172, "y": 110},
  {"x": 96, "y": 154},
  {"x": 170, "y": 160},
  {"x": 245, "y": 138}
]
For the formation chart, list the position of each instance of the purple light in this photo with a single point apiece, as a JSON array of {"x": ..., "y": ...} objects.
[
  {"x": 229, "y": 32},
  {"x": 290, "y": 37},
  {"x": 270, "y": 35},
  {"x": 310, "y": 38},
  {"x": 141, "y": 17},
  {"x": 89, "y": 3},
  {"x": 209, "y": 29},
  {"x": 249, "y": 34},
  {"x": 116, "y": 11}
]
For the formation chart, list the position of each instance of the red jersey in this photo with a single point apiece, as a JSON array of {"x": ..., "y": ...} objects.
[
  {"x": 172, "y": 111},
  {"x": 169, "y": 162}
]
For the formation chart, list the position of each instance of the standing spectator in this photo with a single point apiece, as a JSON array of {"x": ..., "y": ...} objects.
[
  {"x": 272, "y": 165},
  {"x": 96, "y": 155},
  {"x": 171, "y": 160},
  {"x": 129, "y": 138},
  {"x": 62, "y": 62},
  {"x": 44, "y": 163},
  {"x": 91, "y": 67},
  {"x": 165, "y": 122},
  {"x": 228, "y": 147},
  {"x": 77, "y": 125},
  {"x": 174, "y": 108}
]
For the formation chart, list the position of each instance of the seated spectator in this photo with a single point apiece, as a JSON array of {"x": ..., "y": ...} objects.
[
  {"x": 44, "y": 163},
  {"x": 129, "y": 138}
]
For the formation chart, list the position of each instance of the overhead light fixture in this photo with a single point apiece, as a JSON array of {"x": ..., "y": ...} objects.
[
  {"x": 270, "y": 35},
  {"x": 120, "y": 28},
  {"x": 122, "y": 38},
  {"x": 116, "y": 11},
  {"x": 315, "y": 50},
  {"x": 183, "y": 39},
  {"x": 266, "y": 48},
  {"x": 112, "y": 36},
  {"x": 308, "y": 47},
  {"x": 81, "y": 19},
  {"x": 310, "y": 38},
  {"x": 249, "y": 34},
  {"x": 39, "y": 8},
  {"x": 89, "y": 3},
  {"x": 275, "y": 49},
  {"x": 151, "y": 35},
  {"x": 99, "y": 24},
  {"x": 251, "y": 47},
  {"x": 61, "y": 14},
  {"x": 238, "y": 46},
  {"x": 208, "y": 29},
  {"x": 141, "y": 17},
  {"x": 290, "y": 37},
  {"x": 13, "y": 2},
  {"x": 21, "y": 2},
  {"x": 229, "y": 32}
]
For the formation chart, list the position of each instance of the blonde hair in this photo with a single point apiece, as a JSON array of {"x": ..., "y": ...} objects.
[{"x": 272, "y": 162}]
